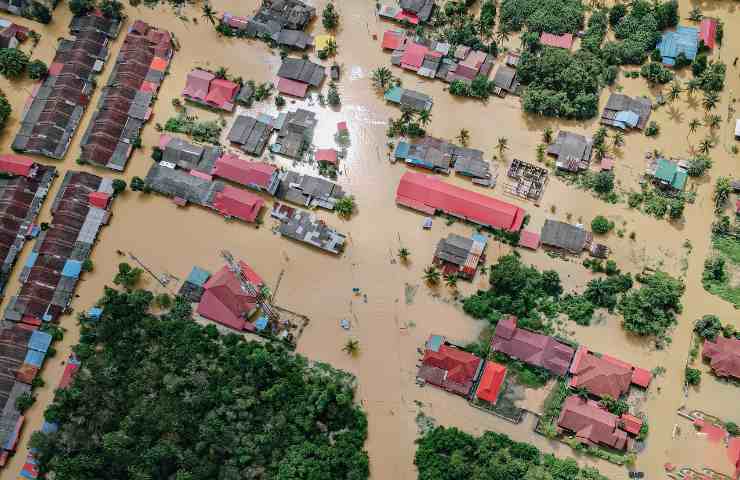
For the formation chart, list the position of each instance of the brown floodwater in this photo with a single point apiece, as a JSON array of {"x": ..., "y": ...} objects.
[{"x": 390, "y": 330}]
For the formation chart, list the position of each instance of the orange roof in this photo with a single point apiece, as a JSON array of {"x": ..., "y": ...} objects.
[
  {"x": 632, "y": 424},
  {"x": 491, "y": 382},
  {"x": 159, "y": 64},
  {"x": 641, "y": 377}
]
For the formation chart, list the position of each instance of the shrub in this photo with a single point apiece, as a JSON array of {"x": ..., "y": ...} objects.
[
  {"x": 652, "y": 129},
  {"x": 111, "y": 8},
  {"x": 655, "y": 72},
  {"x": 604, "y": 182},
  {"x": 708, "y": 327},
  {"x": 13, "y": 63},
  {"x": 699, "y": 165},
  {"x": 119, "y": 186},
  {"x": 24, "y": 401},
  {"x": 81, "y": 7},
  {"x": 601, "y": 225},
  {"x": 345, "y": 206},
  {"x": 692, "y": 376},
  {"x": 5, "y": 110},
  {"x": 37, "y": 70}
]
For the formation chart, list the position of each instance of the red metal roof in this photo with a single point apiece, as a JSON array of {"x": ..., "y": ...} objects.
[
  {"x": 723, "y": 355},
  {"x": 561, "y": 41},
  {"x": 99, "y": 199},
  {"x": 393, "y": 39},
  {"x": 222, "y": 93},
  {"x": 450, "y": 368},
  {"x": 641, "y": 377},
  {"x": 16, "y": 164},
  {"x": 197, "y": 84},
  {"x": 529, "y": 239},
  {"x": 420, "y": 189},
  {"x": 225, "y": 302},
  {"x": 408, "y": 16},
  {"x": 591, "y": 423},
  {"x": 238, "y": 203},
  {"x": 631, "y": 423},
  {"x": 413, "y": 56},
  {"x": 708, "y": 31},
  {"x": 292, "y": 87},
  {"x": 600, "y": 376},
  {"x": 328, "y": 155},
  {"x": 235, "y": 168},
  {"x": 69, "y": 371},
  {"x": 491, "y": 382}
]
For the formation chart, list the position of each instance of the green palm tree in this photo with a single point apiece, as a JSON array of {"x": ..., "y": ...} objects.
[
  {"x": 711, "y": 99},
  {"x": 502, "y": 145},
  {"x": 209, "y": 13},
  {"x": 502, "y": 36},
  {"x": 695, "y": 15},
  {"x": 382, "y": 78},
  {"x": 721, "y": 193},
  {"x": 451, "y": 281},
  {"x": 403, "y": 254},
  {"x": 618, "y": 140},
  {"x": 694, "y": 124},
  {"x": 706, "y": 145},
  {"x": 675, "y": 92},
  {"x": 464, "y": 137},
  {"x": 692, "y": 86},
  {"x": 714, "y": 121},
  {"x": 431, "y": 275},
  {"x": 331, "y": 48},
  {"x": 425, "y": 116},
  {"x": 351, "y": 347},
  {"x": 547, "y": 135},
  {"x": 602, "y": 150},
  {"x": 540, "y": 152}
]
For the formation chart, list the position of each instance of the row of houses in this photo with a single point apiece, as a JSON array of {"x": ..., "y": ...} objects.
[
  {"x": 441, "y": 156},
  {"x": 56, "y": 105},
  {"x": 23, "y": 189},
  {"x": 126, "y": 100},
  {"x": 52, "y": 270},
  {"x": 450, "y": 368},
  {"x": 278, "y": 21}
]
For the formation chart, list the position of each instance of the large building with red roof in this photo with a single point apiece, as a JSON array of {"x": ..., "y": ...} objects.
[
  {"x": 258, "y": 176},
  {"x": 238, "y": 203},
  {"x": 428, "y": 194},
  {"x": 448, "y": 367},
  {"x": 724, "y": 356},
  {"x": 225, "y": 302},
  {"x": 605, "y": 375},
  {"x": 592, "y": 424},
  {"x": 530, "y": 347},
  {"x": 559, "y": 41},
  {"x": 491, "y": 382}
]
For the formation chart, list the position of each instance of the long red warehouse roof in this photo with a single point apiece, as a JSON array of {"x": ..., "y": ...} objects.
[{"x": 418, "y": 191}]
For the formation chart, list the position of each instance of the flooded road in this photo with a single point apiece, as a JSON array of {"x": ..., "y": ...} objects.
[{"x": 170, "y": 239}]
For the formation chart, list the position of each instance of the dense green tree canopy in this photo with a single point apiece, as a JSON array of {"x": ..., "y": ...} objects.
[
  {"x": 166, "y": 398},
  {"x": 651, "y": 309},
  {"x": 554, "y": 16}
]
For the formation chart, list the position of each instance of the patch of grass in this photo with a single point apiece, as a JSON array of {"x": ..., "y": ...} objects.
[
  {"x": 724, "y": 291},
  {"x": 526, "y": 375},
  {"x": 728, "y": 247}
]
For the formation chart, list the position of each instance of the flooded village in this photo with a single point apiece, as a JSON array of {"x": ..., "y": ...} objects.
[{"x": 261, "y": 183}]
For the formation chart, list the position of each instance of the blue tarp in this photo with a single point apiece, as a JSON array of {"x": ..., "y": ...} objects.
[
  {"x": 477, "y": 237},
  {"x": 394, "y": 95},
  {"x": 434, "y": 342},
  {"x": 261, "y": 323},
  {"x": 95, "y": 313},
  {"x": 32, "y": 259},
  {"x": 72, "y": 268},
  {"x": 198, "y": 276},
  {"x": 628, "y": 118},
  {"x": 49, "y": 427},
  {"x": 402, "y": 150},
  {"x": 34, "y": 358},
  {"x": 39, "y": 341}
]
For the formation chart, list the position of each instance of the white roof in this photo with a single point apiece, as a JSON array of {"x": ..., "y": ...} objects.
[{"x": 737, "y": 127}]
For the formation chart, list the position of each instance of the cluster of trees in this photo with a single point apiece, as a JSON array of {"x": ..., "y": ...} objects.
[
  {"x": 330, "y": 17},
  {"x": 602, "y": 292},
  {"x": 542, "y": 15},
  {"x": 109, "y": 8},
  {"x": 207, "y": 131},
  {"x": 651, "y": 310},
  {"x": 450, "y": 454},
  {"x": 410, "y": 124},
  {"x": 480, "y": 87},
  {"x": 709, "y": 327},
  {"x": 637, "y": 29},
  {"x": 455, "y": 25},
  {"x": 14, "y": 63},
  {"x": 164, "y": 397},
  {"x": 560, "y": 84},
  {"x": 601, "y": 225},
  {"x": 655, "y": 72}
]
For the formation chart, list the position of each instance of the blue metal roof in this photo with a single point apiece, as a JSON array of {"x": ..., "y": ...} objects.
[
  {"x": 628, "y": 118},
  {"x": 198, "y": 276},
  {"x": 394, "y": 95},
  {"x": 32, "y": 259},
  {"x": 477, "y": 237},
  {"x": 684, "y": 40},
  {"x": 402, "y": 150},
  {"x": 95, "y": 313},
  {"x": 39, "y": 341},
  {"x": 434, "y": 342},
  {"x": 34, "y": 358},
  {"x": 49, "y": 427},
  {"x": 261, "y": 323},
  {"x": 72, "y": 268}
]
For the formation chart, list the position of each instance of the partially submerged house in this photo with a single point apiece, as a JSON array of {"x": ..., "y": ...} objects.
[
  {"x": 305, "y": 227},
  {"x": 394, "y": 40},
  {"x": 52, "y": 270},
  {"x": 259, "y": 176},
  {"x": 296, "y": 75},
  {"x": 428, "y": 194},
  {"x": 397, "y": 14},
  {"x": 204, "y": 88},
  {"x": 558, "y": 41},
  {"x": 684, "y": 40},
  {"x": 11, "y": 34},
  {"x": 250, "y": 134},
  {"x": 326, "y": 156},
  {"x": 39, "y": 10},
  {"x": 225, "y": 302},
  {"x": 491, "y": 382},
  {"x": 295, "y": 133},
  {"x": 625, "y": 112},
  {"x": 308, "y": 191},
  {"x": 505, "y": 81},
  {"x": 708, "y": 31},
  {"x": 723, "y": 355},
  {"x": 668, "y": 174},
  {"x": 56, "y": 106},
  {"x": 528, "y": 180},
  {"x": 458, "y": 255},
  {"x": 605, "y": 375},
  {"x": 280, "y": 21},
  {"x": 95, "y": 21},
  {"x": 180, "y": 153},
  {"x": 440, "y": 155},
  {"x": 422, "y": 9},
  {"x": 591, "y": 424},
  {"x": 565, "y": 237},
  {"x": 125, "y": 103},
  {"x": 448, "y": 367},
  {"x": 572, "y": 151},
  {"x": 23, "y": 188},
  {"x": 531, "y": 347},
  {"x": 409, "y": 99}
]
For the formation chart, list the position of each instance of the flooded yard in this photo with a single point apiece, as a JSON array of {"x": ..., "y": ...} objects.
[{"x": 396, "y": 312}]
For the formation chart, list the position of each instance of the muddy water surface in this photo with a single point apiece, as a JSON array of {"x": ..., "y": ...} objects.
[{"x": 390, "y": 330}]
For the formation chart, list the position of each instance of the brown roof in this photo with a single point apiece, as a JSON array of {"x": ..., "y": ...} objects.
[
  {"x": 599, "y": 375},
  {"x": 450, "y": 368},
  {"x": 530, "y": 347},
  {"x": 591, "y": 423},
  {"x": 724, "y": 356}
]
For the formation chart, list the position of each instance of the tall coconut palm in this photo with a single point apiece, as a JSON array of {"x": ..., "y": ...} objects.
[
  {"x": 692, "y": 86},
  {"x": 711, "y": 99},
  {"x": 425, "y": 116},
  {"x": 601, "y": 150},
  {"x": 675, "y": 92},
  {"x": 331, "y": 48},
  {"x": 502, "y": 36},
  {"x": 706, "y": 145},
  {"x": 463, "y": 137},
  {"x": 403, "y": 254},
  {"x": 618, "y": 139},
  {"x": 382, "y": 78},
  {"x": 722, "y": 190},
  {"x": 694, "y": 124},
  {"x": 209, "y": 13},
  {"x": 695, "y": 15},
  {"x": 714, "y": 121},
  {"x": 351, "y": 347},
  {"x": 541, "y": 149},
  {"x": 502, "y": 145},
  {"x": 451, "y": 281},
  {"x": 547, "y": 135},
  {"x": 431, "y": 275}
]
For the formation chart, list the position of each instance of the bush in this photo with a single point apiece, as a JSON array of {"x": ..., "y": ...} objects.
[
  {"x": 732, "y": 429},
  {"x": 5, "y": 110},
  {"x": 652, "y": 129},
  {"x": 617, "y": 13},
  {"x": 81, "y": 7},
  {"x": 345, "y": 206},
  {"x": 87, "y": 265},
  {"x": 330, "y": 17},
  {"x": 699, "y": 165},
  {"x": 714, "y": 271},
  {"x": 604, "y": 182},
  {"x": 601, "y": 225},
  {"x": 651, "y": 309},
  {"x": 279, "y": 101},
  {"x": 138, "y": 184},
  {"x": 708, "y": 327},
  {"x": 24, "y": 401},
  {"x": 111, "y": 9},
  {"x": 615, "y": 406},
  {"x": 655, "y": 72},
  {"x": 37, "y": 70},
  {"x": 13, "y": 63},
  {"x": 119, "y": 186},
  {"x": 692, "y": 376}
]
